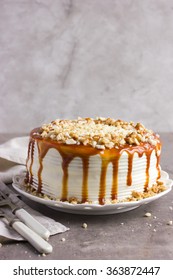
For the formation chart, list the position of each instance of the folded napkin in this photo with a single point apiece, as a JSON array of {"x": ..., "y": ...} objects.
[
  {"x": 13, "y": 158},
  {"x": 12, "y": 161}
]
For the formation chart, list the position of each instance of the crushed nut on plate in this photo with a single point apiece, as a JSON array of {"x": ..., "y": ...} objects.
[
  {"x": 147, "y": 214},
  {"x": 84, "y": 225}
]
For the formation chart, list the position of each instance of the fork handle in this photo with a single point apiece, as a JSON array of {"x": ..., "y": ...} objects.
[
  {"x": 32, "y": 223},
  {"x": 33, "y": 238}
]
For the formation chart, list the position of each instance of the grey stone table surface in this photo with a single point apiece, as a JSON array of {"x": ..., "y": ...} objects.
[{"x": 128, "y": 235}]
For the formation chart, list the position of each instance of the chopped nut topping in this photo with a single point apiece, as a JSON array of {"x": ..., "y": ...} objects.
[
  {"x": 70, "y": 142},
  {"x": 99, "y": 133}
]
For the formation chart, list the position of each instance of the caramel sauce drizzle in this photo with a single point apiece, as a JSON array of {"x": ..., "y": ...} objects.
[
  {"x": 41, "y": 154},
  {"x": 129, "y": 173},
  {"x": 158, "y": 163},
  {"x": 114, "y": 191},
  {"x": 29, "y": 175},
  {"x": 85, "y": 162},
  {"x": 69, "y": 152},
  {"x": 102, "y": 191},
  {"x": 148, "y": 156},
  {"x": 65, "y": 163},
  {"x": 27, "y": 161}
]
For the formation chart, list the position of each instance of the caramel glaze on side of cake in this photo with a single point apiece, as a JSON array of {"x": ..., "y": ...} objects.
[{"x": 69, "y": 152}]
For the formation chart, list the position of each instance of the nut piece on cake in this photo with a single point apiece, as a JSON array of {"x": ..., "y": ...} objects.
[{"x": 99, "y": 133}]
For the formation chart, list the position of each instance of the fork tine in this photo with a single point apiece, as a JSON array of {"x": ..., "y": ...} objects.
[
  {"x": 5, "y": 200},
  {"x": 3, "y": 195}
]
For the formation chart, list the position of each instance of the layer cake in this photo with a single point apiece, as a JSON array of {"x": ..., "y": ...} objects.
[{"x": 89, "y": 160}]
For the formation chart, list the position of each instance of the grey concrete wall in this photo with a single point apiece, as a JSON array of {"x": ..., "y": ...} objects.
[{"x": 63, "y": 59}]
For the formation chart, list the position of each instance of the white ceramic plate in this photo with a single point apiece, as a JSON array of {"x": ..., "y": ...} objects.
[{"x": 91, "y": 209}]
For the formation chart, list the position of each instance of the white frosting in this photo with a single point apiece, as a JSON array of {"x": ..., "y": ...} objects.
[{"x": 52, "y": 175}]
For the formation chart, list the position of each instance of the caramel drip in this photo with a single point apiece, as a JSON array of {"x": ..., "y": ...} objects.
[
  {"x": 148, "y": 156},
  {"x": 42, "y": 151},
  {"x": 39, "y": 175},
  {"x": 27, "y": 160},
  {"x": 69, "y": 152},
  {"x": 32, "y": 161},
  {"x": 129, "y": 172},
  {"x": 158, "y": 167},
  {"x": 29, "y": 149},
  {"x": 85, "y": 162},
  {"x": 65, "y": 163},
  {"x": 158, "y": 162},
  {"x": 114, "y": 193},
  {"x": 102, "y": 190}
]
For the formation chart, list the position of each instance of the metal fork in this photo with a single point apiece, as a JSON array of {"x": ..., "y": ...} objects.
[
  {"x": 6, "y": 201},
  {"x": 33, "y": 238},
  {"x": 22, "y": 214}
]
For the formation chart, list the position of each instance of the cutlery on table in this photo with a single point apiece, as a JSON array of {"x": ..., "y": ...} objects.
[
  {"x": 32, "y": 237},
  {"x": 9, "y": 198}
]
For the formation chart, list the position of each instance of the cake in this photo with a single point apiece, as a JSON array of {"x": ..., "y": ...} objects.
[{"x": 88, "y": 160}]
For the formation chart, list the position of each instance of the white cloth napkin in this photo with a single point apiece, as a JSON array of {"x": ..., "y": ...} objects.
[
  {"x": 13, "y": 158},
  {"x": 12, "y": 161}
]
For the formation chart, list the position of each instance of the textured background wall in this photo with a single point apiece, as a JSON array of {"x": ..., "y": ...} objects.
[{"x": 69, "y": 58}]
